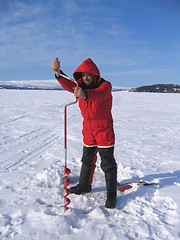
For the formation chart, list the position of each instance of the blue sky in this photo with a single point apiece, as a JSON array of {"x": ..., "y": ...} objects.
[{"x": 133, "y": 42}]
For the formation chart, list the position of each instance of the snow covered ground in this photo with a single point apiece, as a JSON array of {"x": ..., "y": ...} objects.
[{"x": 147, "y": 130}]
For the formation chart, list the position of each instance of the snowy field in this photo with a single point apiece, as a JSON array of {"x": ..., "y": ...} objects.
[{"x": 147, "y": 130}]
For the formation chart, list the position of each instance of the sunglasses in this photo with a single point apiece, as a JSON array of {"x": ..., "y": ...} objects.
[{"x": 87, "y": 75}]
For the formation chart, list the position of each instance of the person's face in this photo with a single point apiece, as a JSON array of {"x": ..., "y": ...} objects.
[{"x": 88, "y": 78}]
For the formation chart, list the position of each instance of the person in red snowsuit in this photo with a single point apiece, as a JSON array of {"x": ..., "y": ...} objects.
[{"x": 94, "y": 96}]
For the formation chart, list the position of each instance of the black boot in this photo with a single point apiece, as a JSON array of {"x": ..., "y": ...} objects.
[
  {"x": 111, "y": 200},
  {"x": 79, "y": 189},
  {"x": 87, "y": 171},
  {"x": 111, "y": 185},
  {"x": 109, "y": 166}
]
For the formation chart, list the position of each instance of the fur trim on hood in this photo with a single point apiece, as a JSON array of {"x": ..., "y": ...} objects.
[{"x": 87, "y": 66}]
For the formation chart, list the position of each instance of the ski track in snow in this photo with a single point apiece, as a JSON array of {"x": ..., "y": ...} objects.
[
  {"x": 32, "y": 159},
  {"x": 37, "y": 143}
]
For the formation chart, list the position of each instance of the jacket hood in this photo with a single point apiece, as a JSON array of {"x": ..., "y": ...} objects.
[{"x": 87, "y": 66}]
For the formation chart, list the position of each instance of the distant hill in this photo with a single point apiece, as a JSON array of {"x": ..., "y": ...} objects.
[
  {"x": 54, "y": 85},
  {"x": 40, "y": 85},
  {"x": 159, "y": 88},
  {"x": 31, "y": 85}
]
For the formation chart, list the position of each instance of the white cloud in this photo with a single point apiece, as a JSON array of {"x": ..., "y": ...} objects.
[
  {"x": 31, "y": 32},
  {"x": 34, "y": 32}
]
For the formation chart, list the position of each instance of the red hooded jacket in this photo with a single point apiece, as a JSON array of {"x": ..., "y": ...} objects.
[{"x": 96, "y": 109}]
